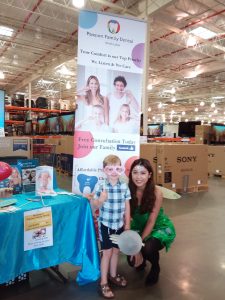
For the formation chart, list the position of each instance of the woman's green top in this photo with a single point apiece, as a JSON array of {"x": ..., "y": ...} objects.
[{"x": 163, "y": 229}]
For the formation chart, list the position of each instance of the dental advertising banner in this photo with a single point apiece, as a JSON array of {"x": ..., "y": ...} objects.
[
  {"x": 2, "y": 113},
  {"x": 109, "y": 90}
]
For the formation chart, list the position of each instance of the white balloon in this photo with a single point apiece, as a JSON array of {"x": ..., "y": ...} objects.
[{"x": 129, "y": 242}]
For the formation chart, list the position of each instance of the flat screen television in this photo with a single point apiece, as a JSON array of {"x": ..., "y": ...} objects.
[
  {"x": 155, "y": 130},
  {"x": 28, "y": 129},
  {"x": 42, "y": 126},
  {"x": 187, "y": 129},
  {"x": 66, "y": 123},
  {"x": 53, "y": 125},
  {"x": 217, "y": 134}
]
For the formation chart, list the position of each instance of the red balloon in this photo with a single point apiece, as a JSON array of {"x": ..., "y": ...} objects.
[{"x": 5, "y": 170}]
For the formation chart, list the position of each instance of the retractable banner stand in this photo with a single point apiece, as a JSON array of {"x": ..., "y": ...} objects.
[
  {"x": 2, "y": 113},
  {"x": 109, "y": 88}
]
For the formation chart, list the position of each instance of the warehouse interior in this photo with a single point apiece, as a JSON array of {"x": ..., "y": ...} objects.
[{"x": 184, "y": 83}]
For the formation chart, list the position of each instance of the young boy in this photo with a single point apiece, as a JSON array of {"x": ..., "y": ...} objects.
[{"x": 112, "y": 197}]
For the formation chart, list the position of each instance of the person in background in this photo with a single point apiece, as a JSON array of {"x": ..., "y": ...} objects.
[
  {"x": 88, "y": 96},
  {"x": 112, "y": 198},
  {"x": 156, "y": 229},
  {"x": 124, "y": 122},
  {"x": 120, "y": 96}
]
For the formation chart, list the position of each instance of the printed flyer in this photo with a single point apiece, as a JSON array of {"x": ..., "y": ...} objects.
[{"x": 38, "y": 232}]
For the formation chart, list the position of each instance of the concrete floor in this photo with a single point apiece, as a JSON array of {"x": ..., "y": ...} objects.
[{"x": 193, "y": 269}]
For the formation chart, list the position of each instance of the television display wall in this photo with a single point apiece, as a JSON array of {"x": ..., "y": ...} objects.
[
  {"x": 187, "y": 129},
  {"x": 2, "y": 112},
  {"x": 53, "y": 125},
  {"x": 155, "y": 130},
  {"x": 217, "y": 134},
  {"x": 66, "y": 123}
]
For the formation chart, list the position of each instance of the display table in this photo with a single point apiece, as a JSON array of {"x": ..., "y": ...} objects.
[{"x": 74, "y": 239}]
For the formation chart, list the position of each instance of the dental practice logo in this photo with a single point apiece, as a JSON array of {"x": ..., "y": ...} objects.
[{"x": 113, "y": 26}]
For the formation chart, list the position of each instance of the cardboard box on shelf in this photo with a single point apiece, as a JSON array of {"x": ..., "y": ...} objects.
[
  {"x": 202, "y": 134},
  {"x": 64, "y": 144},
  {"x": 148, "y": 151},
  {"x": 16, "y": 146},
  {"x": 182, "y": 167},
  {"x": 216, "y": 160}
]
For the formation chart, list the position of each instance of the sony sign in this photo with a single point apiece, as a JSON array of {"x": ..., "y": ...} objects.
[{"x": 184, "y": 159}]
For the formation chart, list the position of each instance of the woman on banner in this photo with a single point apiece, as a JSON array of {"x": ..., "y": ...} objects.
[
  {"x": 124, "y": 122},
  {"x": 89, "y": 96},
  {"x": 120, "y": 96}
]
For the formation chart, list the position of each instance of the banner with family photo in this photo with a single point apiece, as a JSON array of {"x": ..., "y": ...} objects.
[
  {"x": 2, "y": 113},
  {"x": 109, "y": 90}
]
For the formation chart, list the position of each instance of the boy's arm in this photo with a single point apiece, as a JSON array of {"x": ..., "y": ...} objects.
[{"x": 127, "y": 215}]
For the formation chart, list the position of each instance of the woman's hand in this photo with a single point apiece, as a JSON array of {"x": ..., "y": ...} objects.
[{"x": 138, "y": 259}]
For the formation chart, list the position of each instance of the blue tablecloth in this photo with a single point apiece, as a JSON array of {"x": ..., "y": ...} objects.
[{"x": 74, "y": 239}]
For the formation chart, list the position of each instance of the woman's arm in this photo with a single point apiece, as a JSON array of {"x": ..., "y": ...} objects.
[
  {"x": 127, "y": 215},
  {"x": 153, "y": 215}
]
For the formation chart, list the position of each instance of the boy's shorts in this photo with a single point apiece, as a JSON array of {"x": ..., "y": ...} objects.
[{"x": 104, "y": 233}]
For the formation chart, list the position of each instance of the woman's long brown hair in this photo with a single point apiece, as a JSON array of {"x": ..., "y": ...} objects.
[
  {"x": 88, "y": 96},
  {"x": 148, "y": 199}
]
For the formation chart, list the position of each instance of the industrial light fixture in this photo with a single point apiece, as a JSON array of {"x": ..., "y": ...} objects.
[
  {"x": 196, "y": 109},
  {"x": 215, "y": 111},
  {"x": 191, "y": 41},
  {"x": 64, "y": 71},
  {"x": 173, "y": 99},
  {"x": 213, "y": 105},
  {"x": 15, "y": 59},
  {"x": 6, "y": 31},
  {"x": 203, "y": 33},
  {"x": 183, "y": 113},
  {"x": 192, "y": 74},
  {"x": 160, "y": 105},
  {"x": 149, "y": 109},
  {"x": 202, "y": 103},
  {"x": 149, "y": 87},
  {"x": 218, "y": 97},
  {"x": 78, "y": 3},
  {"x": 68, "y": 85},
  {"x": 2, "y": 75},
  {"x": 43, "y": 81},
  {"x": 186, "y": 120}
]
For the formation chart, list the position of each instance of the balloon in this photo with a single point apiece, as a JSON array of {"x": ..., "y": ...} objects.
[
  {"x": 129, "y": 242},
  {"x": 5, "y": 170}
]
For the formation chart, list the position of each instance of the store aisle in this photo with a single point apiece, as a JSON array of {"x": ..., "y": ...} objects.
[{"x": 194, "y": 268}]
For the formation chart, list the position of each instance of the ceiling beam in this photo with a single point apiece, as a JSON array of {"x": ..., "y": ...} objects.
[{"x": 40, "y": 73}]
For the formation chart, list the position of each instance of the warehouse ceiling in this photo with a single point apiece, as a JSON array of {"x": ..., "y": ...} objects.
[{"x": 186, "y": 72}]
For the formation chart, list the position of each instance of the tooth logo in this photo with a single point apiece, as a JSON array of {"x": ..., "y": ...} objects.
[{"x": 113, "y": 26}]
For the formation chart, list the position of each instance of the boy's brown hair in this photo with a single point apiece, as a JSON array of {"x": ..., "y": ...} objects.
[{"x": 111, "y": 160}]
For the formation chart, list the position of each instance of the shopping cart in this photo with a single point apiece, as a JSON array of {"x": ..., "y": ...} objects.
[{"x": 45, "y": 153}]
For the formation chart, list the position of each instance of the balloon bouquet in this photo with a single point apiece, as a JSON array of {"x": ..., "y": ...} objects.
[{"x": 129, "y": 241}]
